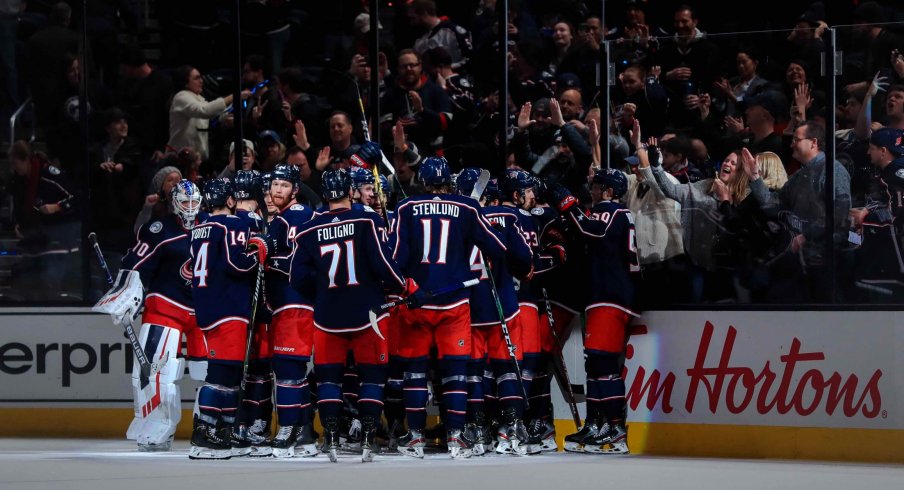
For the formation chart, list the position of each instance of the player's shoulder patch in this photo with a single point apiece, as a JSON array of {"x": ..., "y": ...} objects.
[
  {"x": 369, "y": 209},
  {"x": 231, "y": 216},
  {"x": 524, "y": 212},
  {"x": 537, "y": 211},
  {"x": 53, "y": 170},
  {"x": 437, "y": 198},
  {"x": 899, "y": 173},
  {"x": 253, "y": 215},
  {"x": 155, "y": 227},
  {"x": 297, "y": 207}
]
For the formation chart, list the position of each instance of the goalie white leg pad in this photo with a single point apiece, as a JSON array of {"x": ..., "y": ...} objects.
[{"x": 158, "y": 401}]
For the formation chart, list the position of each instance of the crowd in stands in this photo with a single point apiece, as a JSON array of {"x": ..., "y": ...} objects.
[{"x": 728, "y": 199}]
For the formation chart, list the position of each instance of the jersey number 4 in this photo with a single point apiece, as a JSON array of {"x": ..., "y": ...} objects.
[
  {"x": 335, "y": 252},
  {"x": 200, "y": 270}
]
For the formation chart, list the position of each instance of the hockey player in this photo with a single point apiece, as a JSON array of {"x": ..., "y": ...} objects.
[
  {"x": 292, "y": 327},
  {"x": 157, "y": 271},
  {"x": 363, "y": 189},
  {"x": 432, "y": 242},
  {"x": 223, "y": 291},
  {"x": 340, "y": 253},
  {"x": 488, "y": 341},
  {"x": 612, "y": 255},
  {"x": 258, "y": 402}
]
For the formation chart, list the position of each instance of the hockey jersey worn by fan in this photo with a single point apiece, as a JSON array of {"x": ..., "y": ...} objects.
[
  {"x": 612, "y": 254},
  {"x": 283, "y": 230},
  {"x": 433, "y": 238},
  {"x": 220, "y": 286},
  {"x": 483, "y": 307},
  {"x": 163, "y": 260},
  {"x": 344, "y": 253}
]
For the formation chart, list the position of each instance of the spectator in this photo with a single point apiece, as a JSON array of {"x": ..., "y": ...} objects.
[
  {"x": 421, "y": 105},
  {"x": 9, "y": 74},
  {"x": 249, "y": 159},
  {"x": 741, "y": 87},
  {"x": 643, "y": 92},
  {"x": 272, "y": 151},
  {"x": 877, "y": 42},
  {"x": 802, "y": 204},
  {"x": 459, "y": 89},
  {"x": 144, "y": 92},
  {"x": 562, "y": 44},
  {"x": 762, "y": 114},
  {"x": 441, "y": 33},
  {"x": 50, "y": 51},
  {"x": 190, "y": 114},
  {"x": 675, "y": 152},
  {"x": 156, "y": 203}
]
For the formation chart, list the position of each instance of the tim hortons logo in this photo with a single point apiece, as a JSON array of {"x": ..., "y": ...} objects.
[{"x": 767, "y": 389}]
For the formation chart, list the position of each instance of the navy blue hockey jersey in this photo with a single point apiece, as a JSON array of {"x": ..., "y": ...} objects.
[
  {"x": 162, "y": 257},
  {"x": 518, "y": 262},
  {"x": 566, "y": 284},
  {"x": 221, "y": 283},
  {"x": 283, "y": 230},
  {"x": 612, "y": 254},
  {"x": 433, "y": 238},
  {"x": 342, "y": 254}
]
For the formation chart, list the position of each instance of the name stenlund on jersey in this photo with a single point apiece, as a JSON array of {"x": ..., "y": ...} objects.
[{"x": 435, "y": 208}]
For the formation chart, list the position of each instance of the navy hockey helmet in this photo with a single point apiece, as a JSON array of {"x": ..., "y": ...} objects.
[
  {"x": 491, "y": 193},
  {"x": 217, "y": 192},
  {"x": 466, "y": 180},
  {"x": 246, "y": 184},
  {"x": 361, "y": 177},
  {"x": 434, "y": 171},
  {"x": 517, "y": 180},
  {"x": 265, "y": 182},
  {"x": 611, "y": 178},
  {"x": 286, "y": 172},
  {"x": 336, "y": 184}
]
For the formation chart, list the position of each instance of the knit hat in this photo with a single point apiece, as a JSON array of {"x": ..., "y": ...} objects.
[{"x": 160, "y": 177}]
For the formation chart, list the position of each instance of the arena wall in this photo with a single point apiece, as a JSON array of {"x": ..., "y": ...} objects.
[{"x": 792, "y": 384}]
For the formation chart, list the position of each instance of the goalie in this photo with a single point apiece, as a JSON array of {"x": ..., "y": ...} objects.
[{"x": 160, "y": 265}]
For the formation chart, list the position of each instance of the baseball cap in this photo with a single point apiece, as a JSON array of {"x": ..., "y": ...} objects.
[
  {"x": 247, "y": 143},
  {"x": 268, "y": 134},
  {"x": 773, "y": 101},
  {"x": 890, "y": 139}
]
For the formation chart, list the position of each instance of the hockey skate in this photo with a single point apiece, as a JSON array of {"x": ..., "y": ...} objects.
[
  {"x": 511, "y": 437},
  {"x": 542, "y": 436},
  {"x": 283, "y": 445},
  {"x": 258, "y": 436},
  {"x": 351, "y": 440},
  {"x": 396, "y": 430},
  {"x": 612, "y": 439},
  {"x": 210, "y": 442},
  {"x": 241, "y": 446},
  {"x": 331, "y": 438},
  {"x": 306, "y": 441},
  {"x": 412, "y": 444},
  {"x": 459, "y": 448},
  {"x": 574, "y": 443},
  {"x": 369, "y": 445},
  {"x": 474, "y": 435}
]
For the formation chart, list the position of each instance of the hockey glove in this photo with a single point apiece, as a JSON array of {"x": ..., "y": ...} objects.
[
  {"x": 559, "y": 196},
  {"x": 259, "y": 245},
  {"x": 368, "y": 155},
  {"x": 558, "y": 254},
  {"x": 413, "y": 295}
]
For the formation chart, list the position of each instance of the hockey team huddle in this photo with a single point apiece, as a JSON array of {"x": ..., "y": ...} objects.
[{"x": 359, "y": 313}]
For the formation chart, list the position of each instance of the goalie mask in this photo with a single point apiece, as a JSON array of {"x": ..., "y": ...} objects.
[{"x": 186, "y": 200}]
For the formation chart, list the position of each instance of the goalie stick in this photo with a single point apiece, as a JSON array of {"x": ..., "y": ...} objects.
[{"x": 148, "y": 369}]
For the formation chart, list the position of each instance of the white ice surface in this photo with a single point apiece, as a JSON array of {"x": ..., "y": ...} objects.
[{"x": 104, "y": 464}]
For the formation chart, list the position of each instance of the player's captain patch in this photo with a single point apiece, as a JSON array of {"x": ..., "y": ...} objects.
[{"x": 155, "y": 227}]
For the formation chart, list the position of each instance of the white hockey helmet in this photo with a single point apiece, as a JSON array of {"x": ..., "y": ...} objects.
[{"x": 186, "y": 202}]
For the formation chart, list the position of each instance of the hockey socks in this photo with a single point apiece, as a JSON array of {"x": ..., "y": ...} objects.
[
  {"x": 455, "y": 392},
  {"x": 217, "y": 399},
  {"x": 259, "y": 393},
  {"x": 370, "y": 395},
  {"x": 540, "y": 400},
  {"x": 415, "y": 393},
  {"x": 393, "y": 394},
  {"x": 508, "y": 392},
  {"x": 293, "y": 397},
  {"x": 475, "y": 387},
  {"x": 605, "y": 387}
]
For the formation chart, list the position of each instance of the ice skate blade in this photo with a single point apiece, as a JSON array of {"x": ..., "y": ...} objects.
[
  {"x": 459, "y": 453},
  {"x": 478, "y": 450},
  {"x": 412, "y": 452},
  {"x": 261, "y": 451},
  {"x": 334, "y": 454},
  {"x": 306, "y": 450},
  {"x": 574, "y": 447},
  {"x": 155, "y": 448},
  {"x": 616, "y": 448},
  {"x": 367, "y": 456},
  {"x": 240, "y": 452},
  {"x": 205, "y": 453},
  {"x": 283, "y": 453}
]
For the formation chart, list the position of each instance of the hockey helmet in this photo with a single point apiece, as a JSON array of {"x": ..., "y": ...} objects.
[
  {"x": 186, "y": 200},
  {"x": 466, "y": 180},
  {"x": 517, "y": 180},
  {"x": 246, "y": 184},
  {"x": 217, "y": 192},
  {"x": 265, "y": 182},
  {"x": 434, "y": 171},
  {"x": 286, "y": 172},
  {"x": 491, "y": 193},
  {"x": 361, "y": 177},
  {"x": 336, "y": 184},
  {"x": 610, "y": 178}
]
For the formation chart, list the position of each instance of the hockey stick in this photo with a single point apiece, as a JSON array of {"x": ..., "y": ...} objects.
[
  {"x": 505, "y": 333},
  {"x": 238, "y": 427},
  {"x": 480, "y": 185},
  {"x": 558, "y": 364},
  {"x": 375, "y": 312},
  {"x": 147, "y": 368}
]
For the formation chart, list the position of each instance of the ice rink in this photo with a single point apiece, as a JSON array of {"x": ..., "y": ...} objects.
[{"x": 110, "y": 464}]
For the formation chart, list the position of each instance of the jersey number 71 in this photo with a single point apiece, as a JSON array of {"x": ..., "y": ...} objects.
[{"x": 335, "y": 252}]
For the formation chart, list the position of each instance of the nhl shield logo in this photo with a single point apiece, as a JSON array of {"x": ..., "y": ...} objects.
[{"x": 461, "y": 342}]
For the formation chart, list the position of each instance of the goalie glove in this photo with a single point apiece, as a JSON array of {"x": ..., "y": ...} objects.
[{"x": 123, "y": 301}]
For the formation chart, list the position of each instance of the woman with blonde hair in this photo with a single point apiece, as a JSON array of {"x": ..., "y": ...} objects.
[{"x": 749, "y": 241}]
